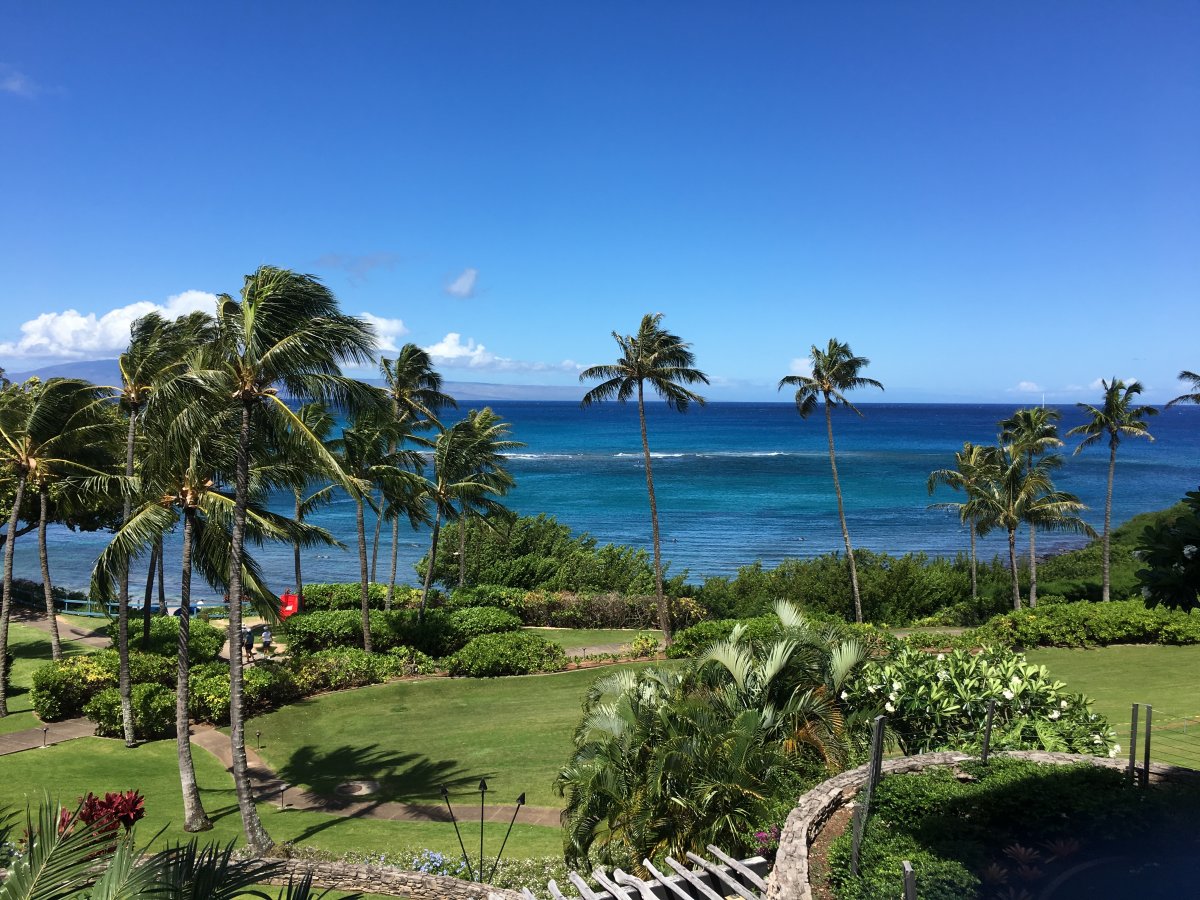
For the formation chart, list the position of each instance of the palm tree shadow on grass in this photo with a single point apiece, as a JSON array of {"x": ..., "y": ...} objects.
[{"x": 403, "y": 777}]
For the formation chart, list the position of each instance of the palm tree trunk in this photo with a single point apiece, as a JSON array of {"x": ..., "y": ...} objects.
[
  {"x": 462, "y": 551},
  {"x": 974, "y": 567},
  {"x": 837, "y": 489},
  {"x": 124, "y": 687},
  {"x": 664, "y": 612},
  {"x": 256, "y": 835},
  {"x": 1012, "y": 565},
  {"x": 437, "y": 529},
  {"x": 155, "y": 553},
  {"x": 362, "y": 573},
  {"x": 1032, "y": 565},
  {"x": 162, "y": 582},
  {"x": 6, "y": 601},
  {"x": 194, "y": 817},
  {"x": 375, "y": 540},
  {"x": 391, "y": 588},
  {"x": 299, "y": 516},
  {"x": 1112, "y": 466},
  {"x": 44, "y": 559}
]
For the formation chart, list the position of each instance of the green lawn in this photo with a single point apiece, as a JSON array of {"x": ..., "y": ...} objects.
[
  {"x": 30, "y": 648},
  {"x": 417, "y": 735},
  {"x": 574, "y": 638},
  {"x": 95, "y": 764},
  {"x": 1168, "y": 678}
]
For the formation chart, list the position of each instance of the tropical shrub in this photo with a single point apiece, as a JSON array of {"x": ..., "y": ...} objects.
[
  {"x": 1090, "y": 624},
  {"x": 204, "y": 641},
  {"x": 413, "y": 661},
  {"x": 308, "y": 633},
  {"x": 644, "y": 645},
  {"x": 61, "y": 689},
  {"x": 939, "y": 702},
  {"x": 346, "y": 595},
  {"x": 208, "y": 696},
  {"x": 512, "y": 653},
  {"x": 1170, "y": 552},
  {"x": 153, "y": 712},
  {"x": 472, "y": 621},
  {"x": 506, "y": 598},
  {"x": 343, "y": 667}
]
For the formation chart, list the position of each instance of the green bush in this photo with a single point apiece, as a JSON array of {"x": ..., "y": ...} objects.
[
  {"x": 513, "y": 653},
  {"x": 1090, "y": 624},
  {"x": 308, "y": 633},
  {"x": 267, "y": 685},
  {"x": 204, "y": 641},
  {"x": 761, "y": 630},
  {"x": 472, "y": 621},
  {"x": 342, "y": 668},
  {"x": 413, "y": 661},
  {"x": 344, "y": 596},
  {"x": 61, "y": 689},
  {"x": 153, "y": 712},
  {"x": 510, "y": 599}
]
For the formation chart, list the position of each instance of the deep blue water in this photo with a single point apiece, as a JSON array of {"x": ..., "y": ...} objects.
[{"x": 738, "y": 482}]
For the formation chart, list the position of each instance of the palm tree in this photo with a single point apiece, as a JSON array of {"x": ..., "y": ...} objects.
[
  {"x": 666, "y": 363},
  {"x": 1116, "y": 417},
  {"x": 835, "y": 370},
  {"x": 40, "y": 428},
  {"x": 285, "y": 334},
  {"x": 319, "y": 421},
  {"x": 157, "y": 352},
  {"x": 1194, "y": 396},
  {"x": 468, "y": 473},
  {"x": 1033, "y": 432},
  {"x": 415, "y": 389},
  {"x": 1010, "y": 493},
  {"x": 965, "y": 476}
]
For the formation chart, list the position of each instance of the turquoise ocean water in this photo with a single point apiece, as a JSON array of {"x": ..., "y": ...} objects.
[{"x": 737, "y": 482}]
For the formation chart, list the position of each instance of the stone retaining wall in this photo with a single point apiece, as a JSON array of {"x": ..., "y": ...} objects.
[
  {"x": 789, "y": 879},
  {"x": 388, "y": 880}
]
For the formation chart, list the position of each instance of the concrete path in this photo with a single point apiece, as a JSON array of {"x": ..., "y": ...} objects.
[
  {"x": 67, "y": 631},
  {"x": 268, "y": 787},
  {"x": 56, "y": 733}
]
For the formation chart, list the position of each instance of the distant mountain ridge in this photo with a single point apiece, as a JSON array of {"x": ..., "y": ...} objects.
[{"x": 106, "y": 371}]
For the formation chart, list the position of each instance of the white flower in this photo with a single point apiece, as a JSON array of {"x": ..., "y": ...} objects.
[
  {"x": 1055, "y": 714},
  {"x": 893, "y": 696},
  {"x": 941, "y": 656},
  {"x": 1096, "y": 739},
  {"x": 872, "y": 688},
  {"x": 1189, "y": 551},
  {"x": 1016, "y": 679},
  {"x": 1112, "y": 754},
  {"x": 845, "y": 696},
  {"x": 1116, "y": 749},
  {"x": 1008, "y": 695},
  {"x": 942, "y": 675},
  {"x": 1062, "y": 703},
  {"x": 896, "y": 685},
  {"x": 889, "y": 707}
]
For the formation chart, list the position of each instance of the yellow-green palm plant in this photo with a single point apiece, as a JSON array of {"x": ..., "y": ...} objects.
[
  {"x": 964, "y": 477},
  {"x": 468, "y": 474},
  {"x": 285, "y": 335},
  {"x": 42, "y": 427},
  {"x": 1011, "y": 493},
  {"x": 833, "y": 371},
  {"x": 414, "y": 388},
  {"x": 1193, "y": 395},
  {"x": 1116, "y": 417},
  {"x": 1033, "y": 432},
  {"x": 662, "y": 361}
]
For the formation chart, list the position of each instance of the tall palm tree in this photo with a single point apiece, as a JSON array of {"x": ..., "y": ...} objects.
[
  {"x": 157, "y": 352},
  {"x": 1011, "y": 493},
  {"x": 284, "y": 334},
  {"x": 415, "y": 390},
  {"x": 40, "y": 428},
  {"x": 1033, "y": 432},
  {"x": 965, "y": 476},
  {"x": 1117, "y": 417},
  {"x": 662, "y": 360},
  {"x": 319, "y": 422},
  {"x": 1194, "y": 395},
  {"x": 834, "y": 371},
  {"x": 468, "y": 472}
]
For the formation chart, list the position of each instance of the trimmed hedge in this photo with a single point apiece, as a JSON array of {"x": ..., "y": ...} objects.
[
  {"x": 514, "y": 653},
  {"x": 153, "y": 712},
  {"x": 442, "y": 633},
  {"x": 1090, "y": 624},
  {"x": 204, "y": 641},
  {"x": 61, "y": 689}
]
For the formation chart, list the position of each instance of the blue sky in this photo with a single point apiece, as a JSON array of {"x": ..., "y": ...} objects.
[{"x": 990, "y": 201}]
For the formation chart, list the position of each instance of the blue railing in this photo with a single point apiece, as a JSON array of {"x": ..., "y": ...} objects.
[{"x": 100, "y": 610}]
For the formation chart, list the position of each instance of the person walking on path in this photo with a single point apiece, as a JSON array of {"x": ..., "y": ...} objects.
[
  {"x": 248, "y": 643},
  {"x": 266, "y": 642}
]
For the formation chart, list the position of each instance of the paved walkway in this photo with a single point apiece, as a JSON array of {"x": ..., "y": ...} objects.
[
  {"x": 56, "y": 733},
  {"x": 67, "y": 631}
]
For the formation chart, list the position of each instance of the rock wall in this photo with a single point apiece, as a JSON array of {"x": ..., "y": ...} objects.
[
  {"x": 789, "y": 879},
  {"x": 388, "y": 880}
]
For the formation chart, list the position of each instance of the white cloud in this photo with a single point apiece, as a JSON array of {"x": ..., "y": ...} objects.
[
  {"x": 463, "y": 286},
  {"x": 453, "y": 353},
  {"x": 18, "y": 83},
  {"x": 386, "y": 331},
  {"x": 74, "y": 335},
  {"x": 1028, "y": 387},
  {"x": 801, "y": 365}
]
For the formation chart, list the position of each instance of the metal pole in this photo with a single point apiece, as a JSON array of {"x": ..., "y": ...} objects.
[
  {"x": 987, "y": 732},
  {"x": 910, "y": 881},
  {"x": 1133, "y": 723},
  {"x": 876, "y": 752},
  {"x": 520, "y": 803},
  {"x": 859, "y": 820},
  {"x": 482, "y": 791},
  {"x": 466, "y": 859},
  {"x": 45, "y": 735},
  {"x": 1146, "y": 749}
]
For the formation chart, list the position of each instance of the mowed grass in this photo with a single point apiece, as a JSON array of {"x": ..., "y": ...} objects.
[
  {"x": 30, "y": 648},
  {"x": 574, "y": 638},
  {"x": 415, "y": 736},
  {"x": 1116, "y": 677},
  {"x": 68, "y": 771}
]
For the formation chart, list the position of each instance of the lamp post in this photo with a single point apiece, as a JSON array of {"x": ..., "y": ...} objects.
[
  {"x": 446, "y": 796},
  {"x": 482, "y": 791},
  {"x": 520, "y": 803}
]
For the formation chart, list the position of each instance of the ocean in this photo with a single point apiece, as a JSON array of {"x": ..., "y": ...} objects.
[{"x": 735, "y": 483}]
